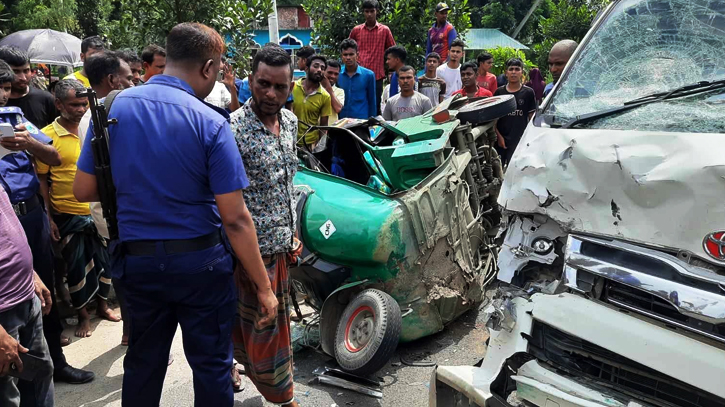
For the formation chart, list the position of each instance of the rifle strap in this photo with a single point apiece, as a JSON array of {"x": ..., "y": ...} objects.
[{"x": 108, "y": 102}]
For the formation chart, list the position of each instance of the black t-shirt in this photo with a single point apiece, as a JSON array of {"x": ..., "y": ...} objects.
[
  {"x": 38, "y": 106},
  {"x": 513, "y": 125}
]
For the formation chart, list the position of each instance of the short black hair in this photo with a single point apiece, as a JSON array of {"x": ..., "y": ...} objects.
[
  {"x": 63, "y": 88},
  {"x": 272, "y": 55},
  {"x": 457, "y": 43},
  {"x": 515, "y": 62},
  {"x": 368, "y": 4},
  {"x": 99, "y": 66},
  {"x": 406, "y": 68},
  {"x": 305, "y": 52},
  {"x": 348, "y": 43},
  {"x": 148, "y": 53},
  {"x": 6, "y": 72},
  {"x": 14, "y": 56},
  {"x": 398, "y": 51},
  {"x": 129, "y": 55},
  {"x": 311, "y": 58},
  {"x": 194, "y": 42},
  {"x": 94, "y": 42},
  {"x": 333, "y": 63},
  {"x": 434, "y": 55},
  {"x": 484, "y": 57},
  {"x": 469, "y": 65}
]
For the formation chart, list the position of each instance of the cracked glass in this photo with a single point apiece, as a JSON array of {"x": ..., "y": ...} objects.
[{"x": 644, "y": 47}]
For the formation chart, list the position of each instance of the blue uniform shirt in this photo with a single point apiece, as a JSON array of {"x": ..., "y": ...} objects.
[
  {"x": 170, "y": 154},
  {"x": 17, "y": 175},
  {"x": 360, "y": 98}
]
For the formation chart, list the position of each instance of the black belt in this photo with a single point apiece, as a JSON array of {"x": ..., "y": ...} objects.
[
  {"x": 24, "y": 207},
  {"x": 148, "y": 247}
]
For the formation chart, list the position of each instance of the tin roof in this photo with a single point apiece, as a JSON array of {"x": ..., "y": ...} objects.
[{"x": 490, "y": 38}]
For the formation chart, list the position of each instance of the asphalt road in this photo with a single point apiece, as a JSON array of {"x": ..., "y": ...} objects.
[{"x": 461, "y": 343}]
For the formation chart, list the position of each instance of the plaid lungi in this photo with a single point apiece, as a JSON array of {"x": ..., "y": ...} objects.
[{"x": 265, "y": 351}]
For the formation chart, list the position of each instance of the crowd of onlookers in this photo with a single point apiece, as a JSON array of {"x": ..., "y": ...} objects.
[{"x": 67, "y": 240}]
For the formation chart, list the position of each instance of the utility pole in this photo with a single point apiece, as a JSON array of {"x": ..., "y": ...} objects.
[
  {"x": 274, "y": 24},
  {"x": 526, "y": 18}
]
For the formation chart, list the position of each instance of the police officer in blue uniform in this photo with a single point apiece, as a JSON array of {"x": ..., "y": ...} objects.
[
  {"x": 18, "y": 178},
  {"x": 179, "y": 179}
]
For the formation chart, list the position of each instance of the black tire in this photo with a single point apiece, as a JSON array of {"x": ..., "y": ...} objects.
[
  {"x": 368, "y": 332},
  {"x": 486, "y": 110}
]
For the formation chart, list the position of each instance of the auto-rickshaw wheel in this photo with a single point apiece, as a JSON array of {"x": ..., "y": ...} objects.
[{"x": 368, "y": 332}]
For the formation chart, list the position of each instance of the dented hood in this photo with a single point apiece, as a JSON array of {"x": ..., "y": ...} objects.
[{"x": 658, "y": 188}]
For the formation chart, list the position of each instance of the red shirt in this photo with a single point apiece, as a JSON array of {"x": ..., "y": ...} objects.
[
  {"x": 481, "y": 92},
  {"x": 488, "y": 82},
  {"x": 371, "y": 44}
]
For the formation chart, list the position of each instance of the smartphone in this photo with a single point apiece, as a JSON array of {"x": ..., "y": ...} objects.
[
  {"x": 32, "y": 364},
  {"x": 6, "y": 130},
  {"x": 220, "y": 76}
]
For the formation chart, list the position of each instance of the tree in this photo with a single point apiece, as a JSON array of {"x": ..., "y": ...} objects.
[
  {"x": 58, "y": 15},
  {"x": 93, "y": 15},
  {"x": 236, "y": 22},
  {"x": 409, "y": 21}
]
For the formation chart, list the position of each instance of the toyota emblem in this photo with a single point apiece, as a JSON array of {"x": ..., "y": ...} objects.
[{"x": 714, "y": 245}]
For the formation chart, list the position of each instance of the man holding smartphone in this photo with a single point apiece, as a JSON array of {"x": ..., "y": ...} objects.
[{"x": 23, "y": 298}]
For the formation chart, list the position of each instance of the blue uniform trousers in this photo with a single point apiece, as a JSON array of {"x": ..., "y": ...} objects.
[
  {"x": 37, "y": 229},
  {"x": 194, "y": 290}
]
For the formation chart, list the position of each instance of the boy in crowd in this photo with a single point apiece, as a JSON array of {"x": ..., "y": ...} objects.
[
  {"x": 395, "y": 57},
  {"x": 470, "y": 86},
  {"x": 358, "y": 84},
  {"x": 302, "y": 55},
  {"x": 154, "y": 61},
  {"x": 430, "y": 84},
  {"x": 451, "y": 71},
  {"x": 89, "y": 46},
  {"x": 337, "y": 95},
  {"x": 510, "y": 128},
  {"x": 407, "y": 103},
  {"x": 486, "y": 79},
  {"x": 442, "y": 34},
  {"x": 373, "y": 39}
]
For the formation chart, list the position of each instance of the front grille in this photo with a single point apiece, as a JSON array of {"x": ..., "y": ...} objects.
[
  {"x": 648, "y": 304},
  {"x": 581, "y": 358}
]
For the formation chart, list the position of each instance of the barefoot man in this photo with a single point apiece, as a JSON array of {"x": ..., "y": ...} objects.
[{"x": 71, "y": 224}]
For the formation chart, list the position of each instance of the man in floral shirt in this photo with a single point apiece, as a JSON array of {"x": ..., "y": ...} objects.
[{"x": 266, "y": 136}]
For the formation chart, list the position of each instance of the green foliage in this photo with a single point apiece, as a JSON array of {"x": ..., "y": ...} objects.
[
  {"x": 568, "y": 21},
  {"x": 409, "y": 20},
  {"x": 54, "y": 14},
  {"x": 236, "y": 22},
  {"x": 501, "y": 55},
  {"x": 92, "y": 15}
]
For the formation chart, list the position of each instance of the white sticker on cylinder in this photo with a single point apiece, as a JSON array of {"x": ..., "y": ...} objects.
[{"x": 327, "y": 229}]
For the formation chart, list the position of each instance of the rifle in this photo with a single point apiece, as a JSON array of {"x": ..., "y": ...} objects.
[{"x": 102, "y": 160}]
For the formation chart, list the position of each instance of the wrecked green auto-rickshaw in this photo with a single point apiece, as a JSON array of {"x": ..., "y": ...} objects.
[{"x": 400, "y": 242}]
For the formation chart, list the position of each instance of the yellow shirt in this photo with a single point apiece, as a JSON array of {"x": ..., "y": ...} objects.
[
  {"x": 79, "y": 76},
  {"x": 61, "y": 194},
  {"x": 309, "y": 108}
]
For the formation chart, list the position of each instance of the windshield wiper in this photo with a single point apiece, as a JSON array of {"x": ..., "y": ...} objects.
[{"x": 682, "y": 91}]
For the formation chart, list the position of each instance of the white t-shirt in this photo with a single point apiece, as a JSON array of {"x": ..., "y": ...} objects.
[
  {"x": 399, "y": 107},
  {"x": 96, "y": 209},
  {"x": 452, "y": 78},
  {"x": 340, "y": 96},
  {"x": 219, "y": 96}
]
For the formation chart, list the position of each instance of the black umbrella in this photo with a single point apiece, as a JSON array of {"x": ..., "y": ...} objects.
[{"x": 45, "y": 46}]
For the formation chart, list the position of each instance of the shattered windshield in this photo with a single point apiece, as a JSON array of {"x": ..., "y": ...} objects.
[{"x": 645, "y": 47}]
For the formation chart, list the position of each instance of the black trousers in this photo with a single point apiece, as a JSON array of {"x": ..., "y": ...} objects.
[{"x": 37, "y": 229}]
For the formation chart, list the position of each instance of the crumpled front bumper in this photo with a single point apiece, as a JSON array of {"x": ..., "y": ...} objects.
[{"x": 677, "y": 356}]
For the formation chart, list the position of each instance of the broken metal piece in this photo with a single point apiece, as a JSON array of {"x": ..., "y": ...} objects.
[
  {"x": 344, "y": 384},
  {"x": 326, "y": 371}
]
